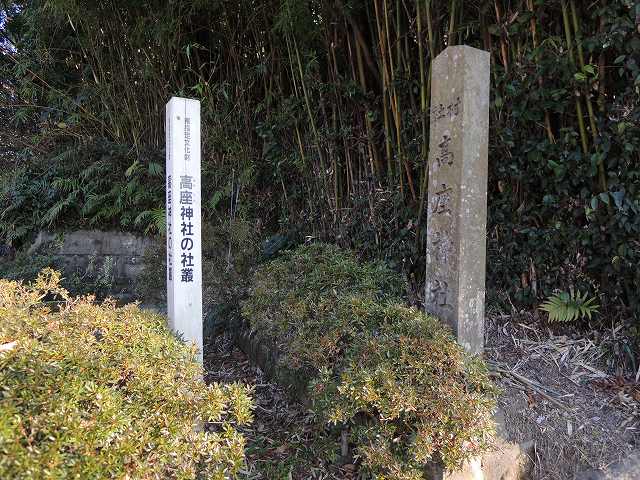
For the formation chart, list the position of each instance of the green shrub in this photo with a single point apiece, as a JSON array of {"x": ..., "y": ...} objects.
[
  {"x": 96, "y": 391},
  {"x": 392, "y": 376},
  {"x": 294, "y": 301},
  {"x": 26, "y": 266}
]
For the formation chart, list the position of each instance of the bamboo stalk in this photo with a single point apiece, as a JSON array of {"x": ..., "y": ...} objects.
[
  {"x": 398, "y": 35},
  {"x": 602, "y": 178},
  {"x": 567, "y": 32},
  {"x": 405, "y": 64},
  {"x": 602, "y": 73},
  {"x": 360, "y": 41},
  {"x": 385, "y": 89},
  {"x": 423, "y": 110},
  {"x": 310, "y": 114},
  {"x": 430, "y": 43},
  {"x": 534, "y": 38},
  {"x": 348, "y": 167},
  {"x": 395, "y": 99},
  {"x": 423, "y": 89},
  {"x": 576, "y": 27},
  {"x": 504, "y": 49},
  {"x": 352, "y": 64},
  {"x": 452, "y": 20},
  {"x": 425, "y": 176},
  {"x": 336, "y": 118},
  {"x": 373, "y": 151}
]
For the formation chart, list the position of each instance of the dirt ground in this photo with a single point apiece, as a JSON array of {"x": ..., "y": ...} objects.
[
  {"x": 562, "y": 392},
  {"x": 558, "y": 390},
  {"x": 283, "y": 441}
]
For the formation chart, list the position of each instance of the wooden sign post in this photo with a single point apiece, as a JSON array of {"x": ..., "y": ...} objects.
[{"x": 184, "y": 251}]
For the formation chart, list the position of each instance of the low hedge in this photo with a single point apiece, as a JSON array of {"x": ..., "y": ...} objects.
[
  {"x": 99, "y": 391},
  {"x": 393, "y": 377}
]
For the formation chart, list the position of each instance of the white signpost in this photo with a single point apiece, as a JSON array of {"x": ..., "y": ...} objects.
[{"x": 184, "y": 252}]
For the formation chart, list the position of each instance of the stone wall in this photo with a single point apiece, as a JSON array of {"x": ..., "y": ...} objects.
[{"x": 114, "y": 258}]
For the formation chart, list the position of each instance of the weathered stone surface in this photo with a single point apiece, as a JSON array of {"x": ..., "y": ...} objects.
[
  {"x": 7, "y": 253},
  {"x": 81, "y": 251},
  {"x": 628, "y": 469},
  {"x": 506, "y": 461},
  {"x": 457, "y": 200}
]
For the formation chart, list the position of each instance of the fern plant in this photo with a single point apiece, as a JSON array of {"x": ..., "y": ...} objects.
[
  {"x": 569, "y": 306},
  {"x": 98, "y": 184},
  {"x": 155, "y": 220}
]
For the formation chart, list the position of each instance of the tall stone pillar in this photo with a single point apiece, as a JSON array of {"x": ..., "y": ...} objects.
[{"x": 457, "y": 200}]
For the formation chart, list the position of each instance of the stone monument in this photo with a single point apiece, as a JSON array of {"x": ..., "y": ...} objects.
[
  {"x": 457, "y": 200},
  {"x": 184, "y": 251}
]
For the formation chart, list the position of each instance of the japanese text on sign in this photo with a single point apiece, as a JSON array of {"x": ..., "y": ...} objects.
[
  {"x": 186, "y": 228},
  {"x": 444, "y": 156}
]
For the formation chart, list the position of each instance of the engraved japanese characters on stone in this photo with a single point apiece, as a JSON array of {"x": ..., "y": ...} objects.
[
  {"x": 441, "y": 247},
  {"x": 449, "y": 110},
  {"x": 441, "y": 204},
  {"x": 437, "y": 294},
  {"x": 444, "y": 156},
  {"x": 456, "y": 204}
]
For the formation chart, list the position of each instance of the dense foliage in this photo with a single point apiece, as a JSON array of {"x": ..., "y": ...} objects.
[
  {"x": 97, "y": 391},
  {"x": 94, "y": 184},
  {"x": 289, "y": 295},
  {"x": 391, "y": 376},
  {"x": 316, "y": 118}
]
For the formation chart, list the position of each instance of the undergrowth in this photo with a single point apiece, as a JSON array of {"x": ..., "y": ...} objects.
[
  {"x": 390, "y": 377},
  {"x": 97, "y": 391}
]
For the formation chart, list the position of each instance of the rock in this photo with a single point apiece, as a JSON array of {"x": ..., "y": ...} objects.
[
  {"x": 272, "y": 245},
  {"x": 457, "y": 200},
  {"x": 216, "y": 319},
  {"x": 508, "y": 460},
  {"x": 627, "y": 469},
  {"x": 112, "y": 260}
]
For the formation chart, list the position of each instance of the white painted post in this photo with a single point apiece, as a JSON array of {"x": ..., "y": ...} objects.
[{"x": 184, "y": 252}]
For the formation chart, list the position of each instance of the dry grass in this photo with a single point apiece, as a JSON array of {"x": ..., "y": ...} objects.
[
  {"x": 563, "y": 391},
  {"x": 283, "y": 442}
]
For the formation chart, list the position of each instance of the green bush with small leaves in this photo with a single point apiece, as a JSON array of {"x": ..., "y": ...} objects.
[
  {"x": 392, "y": 377},
  {"x": 99, "y": 391},
  {"x": 294, "y": 301}
]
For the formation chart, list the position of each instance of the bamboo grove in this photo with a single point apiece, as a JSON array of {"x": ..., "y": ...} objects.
[{"x": 316, "y": 120}]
